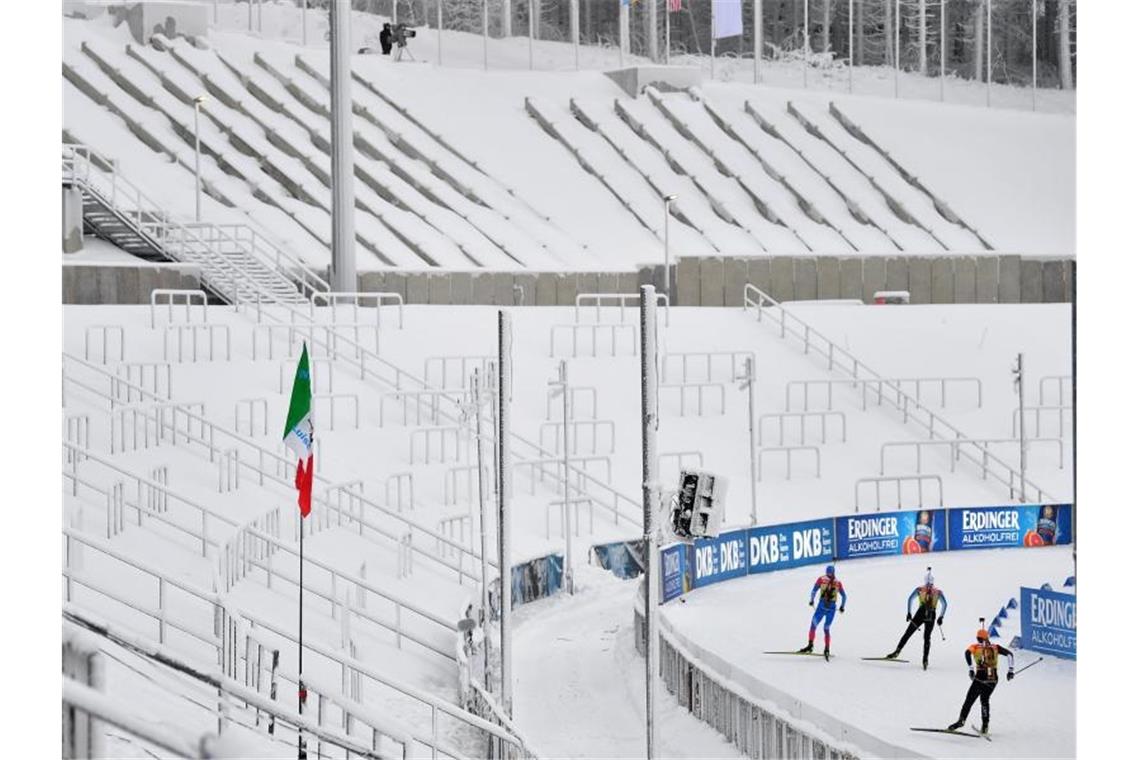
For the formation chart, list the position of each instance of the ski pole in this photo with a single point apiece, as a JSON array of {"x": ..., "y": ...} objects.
[
  {"x": 943, "y": 635},
  {"x": 1030, "y": 665}
]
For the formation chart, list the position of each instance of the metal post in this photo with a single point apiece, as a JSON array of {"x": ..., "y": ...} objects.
[
  {"x": 197, "y": 162},
  {"x": 504, "y": 446},
  {"x": 260, "y": 30},
  {"x": 942, "y": 51},
  {"x": 668, "y": 32},
  {"x": 757, "y": 38},
  {"x": 505, "y": 17},
  {"x": 1033, "y": 12},
  {"x": 652, "y": 11},
  {"x": 574, "y": 31},
  {"x": 850, "y": 46},
  {"x": 530, "y": 34},
  {"x": 485, "y": 589},
  {"x": 649, "y": 496},
  {"x": 304, "y": 22},
  {"x": 1019, "y": 374},
  {"x": 748, "y": 379},
  {"x": 486, "y": 31},
  {"x": 668, "y": 291},
  {"x": 301, "y": 753},
  {"x": 807, "y": 40},
  {"x": 439, "y": 32},
  {"x": 343, "y": 235},
  {"x": 989, "y": 51},
  {"x": 898, "y": 43},
  {"x": 712, "y": 40},
  {"x": 563, "y": 383}
]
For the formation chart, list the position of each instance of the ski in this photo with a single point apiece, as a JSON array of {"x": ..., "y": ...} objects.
[
  {"x": 802, "y": 654},
  {"x": 984, "y": 736},
  {"x": 948, "y": 731},
  {"x": 885, "y": 659}
]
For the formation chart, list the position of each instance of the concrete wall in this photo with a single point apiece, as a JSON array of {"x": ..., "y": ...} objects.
[
  {"x": 72, "y": 219},
  {"x": 709, "y": 281},
  {"x": 119, "y": 284},
  {"x": 635, "y": 79}
]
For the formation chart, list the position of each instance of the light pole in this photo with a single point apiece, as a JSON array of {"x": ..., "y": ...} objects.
[
  {"x": 561, "y": 385},
  {"x": 747, "y": 382},
  {"x": 198, "y": 101},
  {"x": 668, "y": 199},
  {"x": 1019, "y": 385}
]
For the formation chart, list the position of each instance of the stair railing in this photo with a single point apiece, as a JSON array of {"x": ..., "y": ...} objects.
[{"x": 841, "y": 360}]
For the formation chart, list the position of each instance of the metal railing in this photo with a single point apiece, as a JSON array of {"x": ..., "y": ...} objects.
[
  {"x": 787, "y": 451},
  {"x": 716, "y": 389},
  {"x": 803, "y": 417},
  {"x": 898, "y": 481},
  {"x": 593, "y": 331},
  {"x": 895, "y": 384},
  {"x": 235, "y": 261},
  {"x": 841, "y": 360},
  {"x": 622, "y": 301},
  {"x": 265, "y": 464},
  {"x": 713, "y": 362}
]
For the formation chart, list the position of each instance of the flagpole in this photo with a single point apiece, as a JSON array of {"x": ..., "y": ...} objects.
[{"x": 301, "y": 753}]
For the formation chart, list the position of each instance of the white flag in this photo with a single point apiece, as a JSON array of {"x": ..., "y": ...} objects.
[{"x": 728, "y": 18}]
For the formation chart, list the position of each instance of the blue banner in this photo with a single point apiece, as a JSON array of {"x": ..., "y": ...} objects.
[
  {"x": 779, "y": 547},
  {"x": 718, "y": 559},
  {"x": 902, "y": 532},
  {"x": 674, "y": 572},
  {"x": 1049, "y": 622},
  {"x": 1015, "y": 525}
]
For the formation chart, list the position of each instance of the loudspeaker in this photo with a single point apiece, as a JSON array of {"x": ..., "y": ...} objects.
[{"x": 698, "y": 507}]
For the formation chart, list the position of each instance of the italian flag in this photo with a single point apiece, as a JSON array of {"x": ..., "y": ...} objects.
[{"x": 299, "y": 431}]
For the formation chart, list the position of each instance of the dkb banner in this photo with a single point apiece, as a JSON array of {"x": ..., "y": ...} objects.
[
  {"x": 718, "y": 559},
  {"x": 883, "y": 533},
  {"x": 674, "y": 572},
  {"x": 780, "y": 547},
  {"x": 1015, "y": 525},
  {"x": 1049, "y": 622}
]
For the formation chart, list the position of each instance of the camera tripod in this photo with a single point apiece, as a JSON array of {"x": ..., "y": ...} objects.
[{"x": 401, "y": 51}]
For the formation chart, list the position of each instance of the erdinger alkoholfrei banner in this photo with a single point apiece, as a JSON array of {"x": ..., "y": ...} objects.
[
  {"x": 1049, "y": 622},
  {"x": 1014, "y": 525},
  {"x": 883, "y": 533}
]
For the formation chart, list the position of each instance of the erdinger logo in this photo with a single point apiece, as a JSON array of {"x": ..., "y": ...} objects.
[
  {"x": 877, "y": 527},
  {"x": 1006, "y": 519}
]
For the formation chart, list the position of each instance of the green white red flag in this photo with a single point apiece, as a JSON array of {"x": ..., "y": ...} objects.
[{"x": 298, "y": 436}]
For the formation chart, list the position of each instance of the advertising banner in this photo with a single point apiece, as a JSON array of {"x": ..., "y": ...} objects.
[
  {"x": 1015, "y": 525},
  {"x": 779, "y": 547},
  {"x": 1049, "y": 622},
  {"x": 674, "y": 572},
  {"x": 884, "y": 533},
  {"x": 718, "y": 559}
]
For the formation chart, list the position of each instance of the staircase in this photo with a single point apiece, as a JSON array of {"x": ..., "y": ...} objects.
[{"x": 236, "y": 263}]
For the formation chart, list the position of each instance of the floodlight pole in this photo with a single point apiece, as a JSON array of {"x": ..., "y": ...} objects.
[
  {"x": 304, "y": 22},
  {"x": 561, "y": 384},
  {"x": 650, "y": 496},
  {"x": 504, "y": 445},
  {"x": 668, "y": 199},
  {"x": 748, "y": 383},
  {"x": 477, "y": 388},
  {"x": 1019, "y": 380},
  {"x": 343, "y": 235}
]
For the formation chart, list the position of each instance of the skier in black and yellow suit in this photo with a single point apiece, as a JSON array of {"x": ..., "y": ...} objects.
[
  {"x": 932, "y": 606},
  {"x": 983, "y": 661}
]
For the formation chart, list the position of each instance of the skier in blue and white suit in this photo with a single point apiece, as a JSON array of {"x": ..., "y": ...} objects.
[{"x": 829, "y": 588}]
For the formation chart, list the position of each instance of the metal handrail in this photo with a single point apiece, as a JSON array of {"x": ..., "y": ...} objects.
[
  {"x": 280, "y": 545},
  {"x": 350, "y": 663},
  {"x": 276, "y": 460},
  {"x": 756, "y": 298}
]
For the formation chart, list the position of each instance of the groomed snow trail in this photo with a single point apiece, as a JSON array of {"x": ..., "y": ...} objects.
[{"x": 580, "y": 685}]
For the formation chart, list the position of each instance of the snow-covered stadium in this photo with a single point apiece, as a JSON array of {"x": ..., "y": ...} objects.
[{"x": 547, "y": 305}]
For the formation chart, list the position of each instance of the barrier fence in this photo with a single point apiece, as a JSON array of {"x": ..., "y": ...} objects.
[{"x": 766, "y": 548}]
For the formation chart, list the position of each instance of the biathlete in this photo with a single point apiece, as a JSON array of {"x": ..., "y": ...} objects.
[
  {"x": 828, "y": 587},
  {"x": 929, "y": 598},
  {"x": 982, "y": 658}
]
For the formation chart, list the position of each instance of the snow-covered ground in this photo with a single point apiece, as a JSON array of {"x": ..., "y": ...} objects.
[{"x": 1032, "y": 716}]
